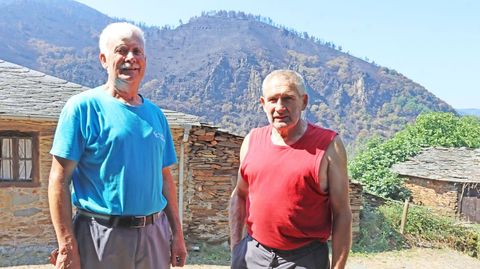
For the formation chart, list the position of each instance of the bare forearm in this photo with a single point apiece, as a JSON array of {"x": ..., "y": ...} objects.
[
  {"x": 178, "y": 251},
  {"x": 61, "y": 212},
  {"x": 341, "y": 239},
  {"x": 171, "y": 210},
  {"x": 236, "y": 219},
  {"x": 61, "y": 209}
]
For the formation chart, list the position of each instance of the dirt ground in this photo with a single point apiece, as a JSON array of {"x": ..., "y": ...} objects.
[
  {"x": 405, "y": 259},
  {"x": 420, "y": 258}
]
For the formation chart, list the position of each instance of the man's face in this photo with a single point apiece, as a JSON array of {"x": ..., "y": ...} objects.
[
  {"x": 125, "y": 60},
  {"x": 282, "y": 103}
]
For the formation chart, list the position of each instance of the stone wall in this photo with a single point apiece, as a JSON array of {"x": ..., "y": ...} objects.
[
  {"x": 356, "y": 206},
  {"x": 26, "y": 229},
  {"x": 213, "y": 161},
  {"x": 441, "y": 195},
  {"x": 177, "y": 135}
]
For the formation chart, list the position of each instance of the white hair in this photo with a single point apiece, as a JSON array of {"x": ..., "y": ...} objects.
[
  {"x": 119, "y": 29},
  {"x": 290, "y": 75}
]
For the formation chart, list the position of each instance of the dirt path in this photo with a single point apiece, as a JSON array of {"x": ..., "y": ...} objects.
[
  {"x": 405, "y": 259},
  {"x": 420, "y": 258}
]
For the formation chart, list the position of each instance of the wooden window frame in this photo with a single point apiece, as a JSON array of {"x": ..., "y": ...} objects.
[{"x": 35, "y": 181}]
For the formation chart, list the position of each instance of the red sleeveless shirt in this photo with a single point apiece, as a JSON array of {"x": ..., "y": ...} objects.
[{"x": 286, "y": 208}]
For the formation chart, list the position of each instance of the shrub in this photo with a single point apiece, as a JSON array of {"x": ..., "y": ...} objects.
[{"x": 423, "y": 225}]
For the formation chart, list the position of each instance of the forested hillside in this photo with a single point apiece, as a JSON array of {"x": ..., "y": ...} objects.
[{"x": 213, "y": 66}]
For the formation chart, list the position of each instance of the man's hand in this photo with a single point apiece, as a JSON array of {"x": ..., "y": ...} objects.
[
  {"x": 67, "y": 258},
  {"x": 53, "y": 256},
  {"x": 178, "y": 251}
]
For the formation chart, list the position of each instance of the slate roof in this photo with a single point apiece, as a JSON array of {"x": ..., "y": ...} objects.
[
  {"x": 25, "y": 93},
  {"x": 28, "y": 93},
  {"x": 444, "y": 164},
  {"x": 175, "y": 118}
]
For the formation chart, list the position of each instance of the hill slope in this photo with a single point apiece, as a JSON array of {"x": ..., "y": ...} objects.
[
  {"x": 213, "y": 67},
  {"x": 57, "y": 37}
]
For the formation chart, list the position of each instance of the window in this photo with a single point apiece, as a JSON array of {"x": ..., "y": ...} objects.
[{"x": 18, "y": 159}]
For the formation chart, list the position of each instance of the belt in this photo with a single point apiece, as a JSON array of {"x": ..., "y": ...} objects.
[
  {"x": 121, "y": 221},
  {"x": 297, "y": 251}
]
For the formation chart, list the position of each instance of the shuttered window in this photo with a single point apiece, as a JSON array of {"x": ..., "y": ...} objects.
[{"x": 18, "y": 158}]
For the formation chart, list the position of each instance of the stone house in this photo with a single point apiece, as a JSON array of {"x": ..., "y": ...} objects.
[
  {"x": 30, "y": 103},
  {"x": 447, "y": 179}
]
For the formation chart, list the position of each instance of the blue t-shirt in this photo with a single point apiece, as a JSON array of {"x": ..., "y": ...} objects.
[{"x": 120, "y": 151}]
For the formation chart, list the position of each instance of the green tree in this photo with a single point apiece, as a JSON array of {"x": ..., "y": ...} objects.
[{"x": 371, "y": 165}]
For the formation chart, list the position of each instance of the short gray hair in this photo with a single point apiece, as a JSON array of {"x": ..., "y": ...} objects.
[
  {"x": 122, "y": 29},
  {"x": 290, "y": 75}
]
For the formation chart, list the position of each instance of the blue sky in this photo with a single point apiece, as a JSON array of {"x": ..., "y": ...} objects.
[{"x": 436, "y": 43}]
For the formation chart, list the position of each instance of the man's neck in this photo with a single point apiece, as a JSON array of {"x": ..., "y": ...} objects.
[
  {"x": 288, "y": 136},
  {"x": 126, "y": 94}
]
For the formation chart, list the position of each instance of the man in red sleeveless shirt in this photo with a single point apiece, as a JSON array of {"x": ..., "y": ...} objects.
[{"x": 292, "y": 188}]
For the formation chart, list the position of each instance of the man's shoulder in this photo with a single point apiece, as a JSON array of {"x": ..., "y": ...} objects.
[
  {"x": 86, "y": 96},
  {"x": 323, "y": 136},
  {"x": 149, "y": 103},
  {"x": 317, "y": 128},
  {"x": 152, "y": 106},
  {"x": 261, "y": 128}
]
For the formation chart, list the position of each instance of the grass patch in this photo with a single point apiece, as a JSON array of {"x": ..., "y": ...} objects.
[
  {"x": 425, "y": 227},
  {"x": 379, "y": 228},
  {"x": 377, "y": 234},
  {"x": 209, "y": 255}
]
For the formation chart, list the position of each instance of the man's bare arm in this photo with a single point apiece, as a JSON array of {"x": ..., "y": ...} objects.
[
  {"x": 59, "y": 199},
  {"x": 339, "y": 199},
  {"x": 178, "y": 248},
  {"x": 237, "y": 207}
]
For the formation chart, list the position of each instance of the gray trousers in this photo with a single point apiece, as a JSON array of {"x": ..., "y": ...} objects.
[
  {"x": 103, "y": 247},
  {"x": 249, "y": 253}
]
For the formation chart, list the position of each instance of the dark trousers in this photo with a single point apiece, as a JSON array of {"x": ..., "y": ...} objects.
[
  {"x": 249, "y": 253},
  {"x": 104, "y": 247}
]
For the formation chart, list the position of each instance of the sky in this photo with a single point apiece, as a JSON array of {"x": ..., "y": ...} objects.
[{"x": 436, "y": 43}]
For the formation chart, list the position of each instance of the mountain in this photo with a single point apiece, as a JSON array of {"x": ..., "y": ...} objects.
[
  {"x": 469, "y": 111},
  {"x": 213, "y": 67},
  {"x": 57, "y": 37}
]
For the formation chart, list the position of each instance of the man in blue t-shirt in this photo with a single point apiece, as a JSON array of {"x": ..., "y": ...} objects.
[{"x": 115, "y": 147}]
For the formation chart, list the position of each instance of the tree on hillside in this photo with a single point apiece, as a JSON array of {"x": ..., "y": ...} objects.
[{"x": 372, "y": 165}]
